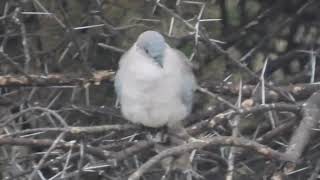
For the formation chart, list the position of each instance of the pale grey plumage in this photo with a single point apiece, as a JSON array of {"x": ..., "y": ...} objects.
[{"x": 154, "y": 82}]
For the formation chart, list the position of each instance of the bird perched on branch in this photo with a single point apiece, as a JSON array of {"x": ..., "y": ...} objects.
[
  {"x": 155, "y": 87},
  {"x": 154, "y": 82}
]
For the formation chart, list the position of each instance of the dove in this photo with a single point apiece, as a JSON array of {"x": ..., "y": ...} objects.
[{"x": 154, "y": 83}]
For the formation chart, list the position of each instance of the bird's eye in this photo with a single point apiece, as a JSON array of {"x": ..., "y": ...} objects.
[{"x": 147, "y": 51}]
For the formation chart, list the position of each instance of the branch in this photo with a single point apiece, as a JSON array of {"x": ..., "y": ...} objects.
[
  {"x": 54, "y": 79},
  {"x": 220, "y": 140},
  {"x": 100, "y": 153},
  {"x": 303, "y": 134},
  {"x": 78, "y": 130},
  {"x": 103, "y": 154},
  {"x": 298, "y": 91},
  {"x": 223, "y": 117}
]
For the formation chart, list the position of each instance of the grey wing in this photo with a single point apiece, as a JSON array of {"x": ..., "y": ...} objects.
[
  {"x": 117, "y": 80},
  {"x": 188, "y": 82},
  {"x": 117, "y": 88},
  {"x": 188, "y": 89}
]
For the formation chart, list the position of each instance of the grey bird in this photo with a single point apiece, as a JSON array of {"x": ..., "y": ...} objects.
[{"x": 154, "y": 83}]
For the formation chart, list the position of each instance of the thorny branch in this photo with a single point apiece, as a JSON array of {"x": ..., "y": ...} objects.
[{"x": 57, "y": 62}]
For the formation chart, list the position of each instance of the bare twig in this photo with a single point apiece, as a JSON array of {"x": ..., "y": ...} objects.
[
  {"x": 78, "y": 130},
  {"x": 220, "y": 140},
  {"x": 42, "y": 160}
]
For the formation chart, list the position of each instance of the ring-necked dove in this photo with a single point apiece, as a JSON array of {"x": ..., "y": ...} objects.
[{"x": 154, "y": 82}]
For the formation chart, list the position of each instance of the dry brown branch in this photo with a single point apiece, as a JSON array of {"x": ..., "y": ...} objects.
[
  {"x": 48, "y": 142},
  {"x": 220, "y": 140},
  {"x": 42, "y": 160},
  {"x": 222, "y": 117},
  {"x": 302, "y": 135},
  {"x": 78, "y": 130},
  {"x": 225, "y": 116},
  {"x": 54, "y": 79},
  {"x": 298, "y": 91},
  {"x": 281, "y": 129},
  {"x": 95, "y": 151}
]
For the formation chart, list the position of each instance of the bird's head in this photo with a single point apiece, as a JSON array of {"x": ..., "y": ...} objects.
[{"x": 153, "y": 44}]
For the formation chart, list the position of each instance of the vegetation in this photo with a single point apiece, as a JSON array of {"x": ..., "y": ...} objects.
[{"x": 256, "y": 112}]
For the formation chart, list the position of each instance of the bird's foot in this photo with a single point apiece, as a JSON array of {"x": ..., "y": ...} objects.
[
  {"x": 159, "y": 137},
  {"x": 192, "y": 173}
]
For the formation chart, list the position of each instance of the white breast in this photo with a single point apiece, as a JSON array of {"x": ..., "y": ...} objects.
[{"x": 149, "y": 93}]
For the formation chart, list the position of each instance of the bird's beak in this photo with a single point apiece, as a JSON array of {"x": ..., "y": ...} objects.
[
  {"x": 159, "y": 60},
  {"x": 160, "y": 63}
]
